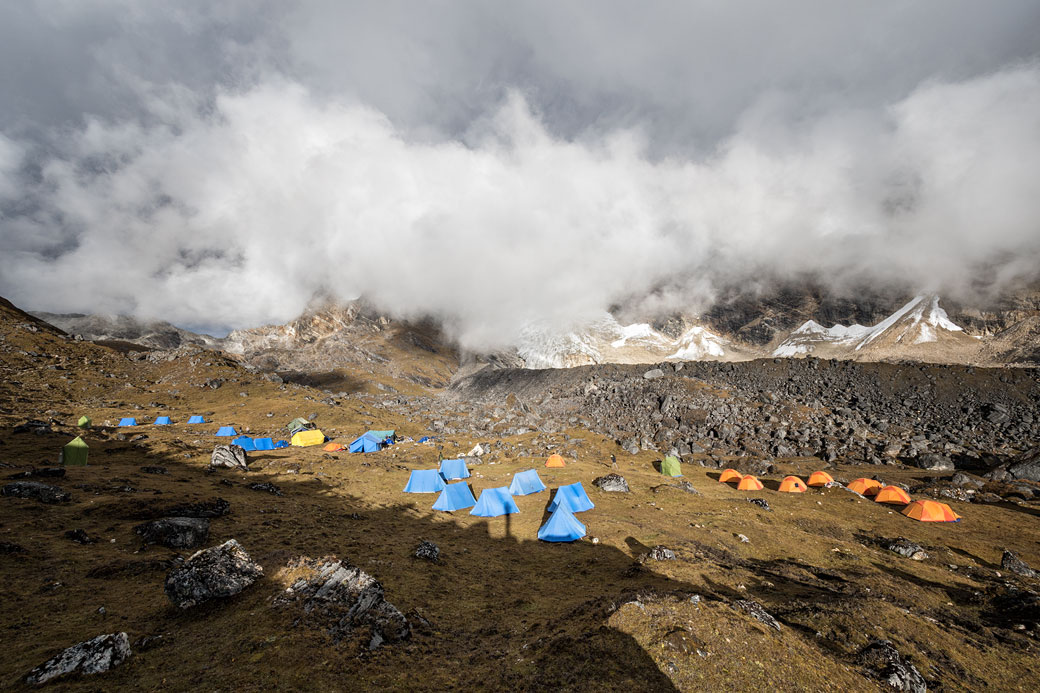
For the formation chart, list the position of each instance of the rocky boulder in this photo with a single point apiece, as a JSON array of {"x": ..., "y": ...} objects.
[
  {"x": 907, "y": 548},
  {"x": 885, "y": 664},
  {"x": 1012, "y": 563},
  {"x": 934, "y": 462},
  {"x": 1026, "y": 466},
  {"x": 175, "y": 532},
  {"x": 614, "y": 483},
  {"x": 660, "y": 553},
  {"x": 45, "y": 493},
  {"x": 91, "y": 657},
  {"x": 758, "y": 612},
  {"x": 428, "y": 551},
  {"x": 230, "y": 457},
  {"x": 213, "y": 573}
]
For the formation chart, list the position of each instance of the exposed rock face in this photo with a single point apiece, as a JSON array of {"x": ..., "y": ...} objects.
[
  {"x": 45, "y": 493},
  {"x": 758, "y": 612},
  {"x": 155, "y": 333},
  {"x": 613, "y": 483},
  {"x": 343, "y": 600},
  {"x": 934, "y": 462},
  {"x": 660, "y": 553},
  {"x": 1026, "y": 466},
  {"x": 884, "y": 663},
  {"x": 91, "y": 657},
  {"x": 1011, "y": 562},
  {"x": 229, "y": 456},
  {"x": 213, "y": 573},
  {"x": 175, "y": 532}
]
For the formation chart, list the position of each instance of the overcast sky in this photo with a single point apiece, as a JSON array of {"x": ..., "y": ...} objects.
[{"x": 221, "y": 164}]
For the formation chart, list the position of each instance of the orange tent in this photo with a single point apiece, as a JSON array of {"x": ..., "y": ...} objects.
[
  {"x": 893, "y": 495},
  {"x": 820, "y": 479},
  {"x": 555, "y": 461},
  {"x": 333, "y": 447},
  {"x": 749, "y": 483},
  {"x": 792, "y": 484},
  {"x": 930, "y": 511},
  {"x": 866, "y": 487},
  {"x": 730, "y": 475}
]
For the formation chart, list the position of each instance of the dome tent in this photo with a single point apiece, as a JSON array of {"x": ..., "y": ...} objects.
[
  {"x": 729, "y": 475},
  {"x": 792, "y": 484},
  {"x": 817, "y": 479}
]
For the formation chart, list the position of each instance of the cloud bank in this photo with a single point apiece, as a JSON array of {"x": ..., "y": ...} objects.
[{"x": 232, "y": 199}]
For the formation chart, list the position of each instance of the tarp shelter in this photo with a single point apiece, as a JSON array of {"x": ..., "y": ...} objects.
[
  {"x": 128, "y": 421},
  {"x": 281, "y": 444},
  {"x": 749, "y": 483},
  {"x": 494, "y": 502},
  {"x": 930, "y": 511},
  {"x": 893, "y": 495},
  {"x": 525, "y": 483},
  {"x": 866, "y": 487},
  {"x": 244, "y": 442},
  {"x": 333, "y": 447},
  {"x": 299, "y": 424},
  {"x": 670, "y": 466},
  {"x": 196, "y": 419},
  {"x": 226, "y": 432},
  {"x": 425, "y": 439},
  {"x": 574, "y": 496},
  {"x": 304, "y": 438},
  {"x": 729, "y": 475},
  {"x": 75, "y": 452},
  {"x": 162, "y": 421},
  {"x": 562, "y": 526},
  {"x": 263, "y": 443},
  {"x": 792, "y": 484},
  {"x": 555, "y": 461},
  {"x": 424, "y": 481},
  {"x": 84, "y": 422},
  {"x": 455, "y": 497},
  {"x": 365, "y": 443},
  {"x": 817, "y": 479},
  {"x": 454, "y": 469}
]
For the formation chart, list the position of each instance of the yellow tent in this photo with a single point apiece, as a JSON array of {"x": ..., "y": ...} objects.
[{"x": 305, "y": 438}]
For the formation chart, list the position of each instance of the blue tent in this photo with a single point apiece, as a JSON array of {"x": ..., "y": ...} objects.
[
  {"x": 455, "y": 497},
  {"x": 244, "y": 442},
  {"x": 574, "y": 496},
  {"x": 365, "y": 443},
  {"x": 425, "y": 439},
  {"x": 494, "y": 502},
  {"x": 562, "y": 526},
  {"x": 263, "y": 444},
  {"x": 526, "y": 482},
  {"x": 425, "y": 481},
  {"x": 281, "y": 444},
  {"x": 128, "y": 421},
  {"x": 454, "y": 469},
  {"x": 227, "y": 432},
  {"x": 162, "y": 421},
  {"x": 196, "y": 419}
]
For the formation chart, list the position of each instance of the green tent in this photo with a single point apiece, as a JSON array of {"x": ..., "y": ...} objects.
[
  {"x": 298, "y": 423},
  {"x": 670, "y": 466},
  {"x": 382, "y": 435},
  {"x": 84, "y": 422},
  {"x": 75, "y": 452}
]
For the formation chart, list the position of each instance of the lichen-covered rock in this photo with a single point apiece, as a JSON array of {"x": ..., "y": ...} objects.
[
  {"x": 175, "y": 532},
  {"x": 343, "y": 600},
  {"x": 758, "y": 612},
  {"x": 91, "y": 657},
  {"x": 613, "y": 483},
  {"x": 428, "y": 551},
  {"x": 45, "y": 493},
  {"x": 884, "y": 663},
  {"x": 907, "y": 548},
  {"x": 230, "y": 457},
  {"x": 213, "y": 573},
  {"x": 1012, "y": 563}
]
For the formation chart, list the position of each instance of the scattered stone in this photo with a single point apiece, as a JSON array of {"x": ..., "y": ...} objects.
[
  {"x": 79, "y": 536},
  {"x": 53, "y": 472},
  {"x": 428, "y": 551},
  {"x": 758, "y": 612},
  {"x": 155, "y": 470},
  {"x": 214, "y": 573},
  {"x": 613, "y": 483},
  {"x": 760, "y": 502},
  {"x": 653, "y": 374},
  {"x": 743, "y": 539},
  {"x": 342, "y": 599},
  {"x": 35, "y": 426},
  {"x": 962, "y": 479},
  {"x": 267, "y": 487},
  {"x": 885, "y": 664},
  {"x": 91, "y": 657},
  {"x": 45, "y": 493},
  {"x": 660, "y": 553},
  {"x": 1010, "y": 561},
  {"x": 230, "y": 457},
  {"x": 907, "y": 548},
  {"x": 175, "y": 532}
]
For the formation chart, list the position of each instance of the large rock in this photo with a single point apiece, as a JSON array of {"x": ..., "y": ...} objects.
[
  {"x": 1026, "y": 466},
  {"x": 45, "y": 493},
  {"x": 907, "y": 548},
  {"x": 213, "y": 573},
  {"x": 612, "y": 483},
  {"x": 229, "y": 456},
  {"x": 175, "y": 532},
  {"x": 343, "y": 600},
  {"x": 934, "y": 462},
  {"x": 1012, "y": 563},
  {"x": 758, "y": 612},
  {"x": 91, "y": 657},
  {"x": 884, "y": 663}
]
